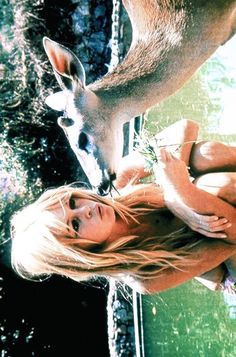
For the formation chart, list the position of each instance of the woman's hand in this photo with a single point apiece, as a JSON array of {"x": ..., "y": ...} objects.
[
  {"x": 131, "y": 170},
  {"x": 171, "y": 173},
  {"x": 174, "y": 179},
  {"x": 209, "y": 226}
]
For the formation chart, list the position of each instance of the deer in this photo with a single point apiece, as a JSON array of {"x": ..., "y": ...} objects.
[{"x": 171, "y": 39}]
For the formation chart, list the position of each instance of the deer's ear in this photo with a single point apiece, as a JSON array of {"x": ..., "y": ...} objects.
[
  {"x": 68, "y": 69},
  {"x": 57, "y": 101}
]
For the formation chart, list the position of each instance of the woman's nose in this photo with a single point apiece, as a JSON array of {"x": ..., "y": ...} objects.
[{"x": 85, "y": 211}]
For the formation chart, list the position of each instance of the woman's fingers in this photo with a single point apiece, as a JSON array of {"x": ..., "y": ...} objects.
[
  {"x": 211, "y": 226},
  {"x": 211, "y": 234},
  {"x": 219, "y": 225},
  {"x": 164, "y": 155},
  {"x": 214, "y": 223}
]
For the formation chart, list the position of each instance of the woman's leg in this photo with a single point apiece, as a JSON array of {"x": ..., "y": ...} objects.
[
  {"x": 220, "y": 184},
  {"x": 213, "y": 278},
  {"x": 223, "y": 185},
  {"x": 211, "y": 156},
  {"x": 231, "y": 266}
]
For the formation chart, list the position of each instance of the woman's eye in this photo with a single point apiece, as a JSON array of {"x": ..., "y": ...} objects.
[
  {"x": 72, "y": 203},
  {"x": 75, "y": 225}
]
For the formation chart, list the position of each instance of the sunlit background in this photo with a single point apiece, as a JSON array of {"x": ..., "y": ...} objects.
[{"x": 190, "y": 320}]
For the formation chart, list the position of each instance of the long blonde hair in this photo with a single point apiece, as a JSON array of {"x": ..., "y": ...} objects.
[{"x": 40, "y": 244}]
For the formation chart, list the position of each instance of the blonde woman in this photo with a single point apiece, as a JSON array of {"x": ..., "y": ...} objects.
[{"x": 150, "y": 236}]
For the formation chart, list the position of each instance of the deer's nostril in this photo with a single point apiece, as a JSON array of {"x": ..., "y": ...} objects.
[
  {"x": 113, "y": 176},
  {"x": 83, "y": 141},
  {"x": 104, "y": 188}
]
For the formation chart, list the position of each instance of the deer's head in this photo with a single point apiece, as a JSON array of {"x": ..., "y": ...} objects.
[{"x": 88, "y": 122}]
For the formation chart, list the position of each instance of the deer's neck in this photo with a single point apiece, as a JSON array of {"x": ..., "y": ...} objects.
[{"x": 161, "y": 61}]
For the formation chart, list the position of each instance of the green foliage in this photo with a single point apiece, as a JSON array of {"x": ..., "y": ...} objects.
[{"x": 148, "y": 145}]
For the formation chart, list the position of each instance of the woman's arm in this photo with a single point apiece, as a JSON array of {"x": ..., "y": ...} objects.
[
  {"x": 208, "y": 255},
  {"x": 132, "y": 169},
  {"x": 202, "y": 157},
  {"x": 182, "y": 197},
  {"x": 182, "y": 134}
]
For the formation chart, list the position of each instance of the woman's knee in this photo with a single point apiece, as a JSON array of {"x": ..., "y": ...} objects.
[
  {"x": 220, "y": 184},
  {"x": 209, "y": 156}
]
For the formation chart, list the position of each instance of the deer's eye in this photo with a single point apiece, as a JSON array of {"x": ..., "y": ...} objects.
[
  {"x": 83, "y": 141},
  {"x": 65, "y": 122}
]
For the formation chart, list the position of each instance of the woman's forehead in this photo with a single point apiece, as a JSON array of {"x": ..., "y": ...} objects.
[{"x": 59, "y": 210}]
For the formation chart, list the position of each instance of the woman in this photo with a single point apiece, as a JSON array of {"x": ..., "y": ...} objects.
[{"x": 134, "y": 237}]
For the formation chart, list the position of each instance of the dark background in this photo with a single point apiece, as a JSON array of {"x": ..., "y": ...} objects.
[
  {"x": 58, "y": 316},
  {"x": 52, "y": 318}
]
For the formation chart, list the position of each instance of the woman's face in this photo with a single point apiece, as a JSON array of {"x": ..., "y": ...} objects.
[{"x": 91, "y": 220}]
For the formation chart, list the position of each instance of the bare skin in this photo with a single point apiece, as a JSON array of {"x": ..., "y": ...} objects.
[
  {"x": 201, "y": 158},
  {"x": 184, "y": 199},
  {"x": 180, "y": 192},
  {"x": 183, "y": 132},
  {"x": 208, "y": 257},
  {"x": 192, "y": 206},
  {"x": 181, "y": 195},
  {"x": 202, "y": 155},
  {"x": 87, "y": 218},
  {"x": 220, "y": 184}
]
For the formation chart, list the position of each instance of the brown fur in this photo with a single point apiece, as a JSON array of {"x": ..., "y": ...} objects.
[{"x": 171, "y": 40}]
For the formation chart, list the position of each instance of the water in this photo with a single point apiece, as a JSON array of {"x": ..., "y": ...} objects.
[{"x": 190, "y": 320}]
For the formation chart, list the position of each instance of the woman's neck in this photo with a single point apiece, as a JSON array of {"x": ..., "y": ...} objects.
[{"x": 121, "y": 229}]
